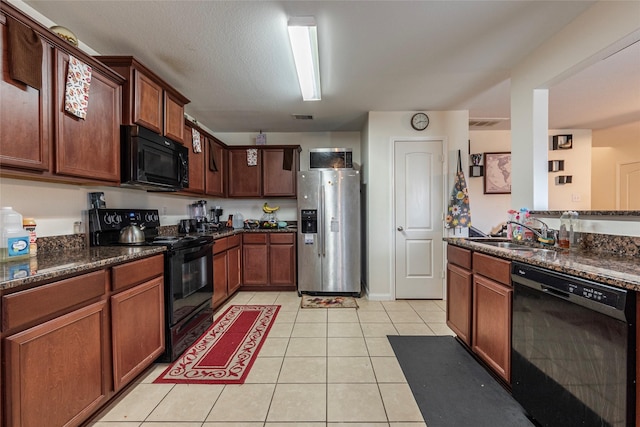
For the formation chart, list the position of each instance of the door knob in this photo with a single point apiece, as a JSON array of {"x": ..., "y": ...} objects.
[{"x": 400, "y": 228}]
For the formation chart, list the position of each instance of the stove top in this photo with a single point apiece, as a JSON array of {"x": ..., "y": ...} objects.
[{"x": 105, "y": 226}]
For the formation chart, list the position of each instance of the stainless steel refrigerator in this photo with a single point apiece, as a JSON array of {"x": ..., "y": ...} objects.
[{"x": 329, "y": 232}]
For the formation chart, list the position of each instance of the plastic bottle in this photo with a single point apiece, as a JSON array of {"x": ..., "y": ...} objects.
[
  {"x": 566, "y": 232},
  {"x": 29, "y": 224},
  {"x": 14, "y": 240}
]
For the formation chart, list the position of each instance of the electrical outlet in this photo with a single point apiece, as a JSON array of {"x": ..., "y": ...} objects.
[
  {"x": 163, "y": 212},
  {"x": 575, "y": 197}
]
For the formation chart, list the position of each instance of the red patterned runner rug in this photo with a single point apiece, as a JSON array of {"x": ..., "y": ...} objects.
[{"x": 225, "y": 353}]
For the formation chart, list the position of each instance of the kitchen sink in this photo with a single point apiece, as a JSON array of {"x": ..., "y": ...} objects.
[{"x": 516, "y": 246}]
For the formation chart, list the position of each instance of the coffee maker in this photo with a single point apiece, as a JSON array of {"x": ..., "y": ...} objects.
[
  {"x": 198, "y": 212},
  {"x": 215, "y": 215}
]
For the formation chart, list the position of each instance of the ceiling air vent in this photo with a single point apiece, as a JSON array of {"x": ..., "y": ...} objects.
[
  {"x": 484, "y": 123},
  {"x": 302, "y": 116}
]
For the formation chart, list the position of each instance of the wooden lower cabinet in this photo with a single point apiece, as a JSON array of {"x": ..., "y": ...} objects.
[
  {"x": 491, "y": 339},
  {"x": 58, "y": 373},
  {"x": 137, "y": 317},
  {"x": 220, "y": 272},
  {"x": 136, "y": 347},
  {"x": 269, "y": 261},
  {"x": 459, "y": 300},
  {"x": 69, "y": 346},
  {"x": 226, "y": 268},
  {"x": 255, "y": 259},
  {"x": 234, "y": 264},
  {"x": 479, "y": 297},
  {"x": 282, "y": 259}
]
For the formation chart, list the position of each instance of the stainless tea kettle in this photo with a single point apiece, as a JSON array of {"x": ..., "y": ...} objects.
[{"x": 132, "y": 234}]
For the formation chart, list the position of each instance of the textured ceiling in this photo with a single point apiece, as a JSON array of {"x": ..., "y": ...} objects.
[{"x": 233, "y": 61}]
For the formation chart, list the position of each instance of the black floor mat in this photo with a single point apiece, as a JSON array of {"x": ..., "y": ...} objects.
[{"x": 451, "y": 388}]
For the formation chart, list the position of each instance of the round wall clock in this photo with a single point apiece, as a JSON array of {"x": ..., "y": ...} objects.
[{"x": 419, "y": 121}]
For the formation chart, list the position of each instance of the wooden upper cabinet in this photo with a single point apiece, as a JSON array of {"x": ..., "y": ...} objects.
[
  {"x": 147, "y": 106},
  {"x": 38, "y": 138},
  {"x": 25, "y": 115},
  {"x": 148, "y": 100},
  {"x": 244, "y": 180},
  {"x": 173, "y": 117},
  {"x": 196, "y": 163},
  {"x": 269, "y": 178},
  {"x": 88, "y": 147},
  {"x": 215, "y": 166},
  {"x": 276, "y": 180}
]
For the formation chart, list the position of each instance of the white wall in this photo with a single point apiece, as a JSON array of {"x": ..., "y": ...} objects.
[
  {"x": 56, "y": 207},
  {"x": 487, "y": 210},
  {"x": 382, "y": 128},
  {"x": 305, "y": 140},
  {"x": 601, "y": 30},
  {"x": 611, "y": 147},
  {"x": 577, "y": 195}
]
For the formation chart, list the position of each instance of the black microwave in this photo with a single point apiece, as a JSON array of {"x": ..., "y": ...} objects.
[
  {"x": 152, "y": 162},
  {"x": 330, "y": 158}
]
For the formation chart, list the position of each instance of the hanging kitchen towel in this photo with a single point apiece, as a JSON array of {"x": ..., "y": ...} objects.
[
  {"x": 212, "y": 159},
  {"x": 459, "y": 214},
  {"x": 287, "y": 159},
  {"x": 76, "y": 95},
  {"x": 252, "y": 157},
  {"x": 25, "y": 54},
  {"x": 195, "y": 140}
]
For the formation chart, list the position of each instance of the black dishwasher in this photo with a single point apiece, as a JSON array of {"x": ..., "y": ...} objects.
[{"x": 573, "y": 349}]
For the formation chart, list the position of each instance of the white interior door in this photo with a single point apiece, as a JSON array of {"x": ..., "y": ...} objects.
[
  {"x": 419, "y": 203},
  {"x": 628, "y": 185}
]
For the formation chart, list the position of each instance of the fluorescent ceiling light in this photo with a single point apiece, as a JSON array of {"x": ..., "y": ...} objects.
[{"x": 304, "y": 43}]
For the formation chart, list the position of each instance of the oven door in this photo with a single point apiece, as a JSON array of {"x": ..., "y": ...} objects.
[{"x": 189, "y": 281}]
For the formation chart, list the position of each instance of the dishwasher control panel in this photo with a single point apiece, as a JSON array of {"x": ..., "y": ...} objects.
[{"x": 563, "y": 285}]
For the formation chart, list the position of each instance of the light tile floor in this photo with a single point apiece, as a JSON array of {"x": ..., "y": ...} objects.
[{"x": 317, "y": 368}]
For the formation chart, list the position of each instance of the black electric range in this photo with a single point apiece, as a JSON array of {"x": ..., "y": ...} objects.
[
  {"x": 188, "y": 272},
  {"x": 105, "y": 226}
]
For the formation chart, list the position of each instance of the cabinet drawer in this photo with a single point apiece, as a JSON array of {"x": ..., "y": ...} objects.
[
  {"x": 26, "y": 307},
  {"x": 220, "y": 245},
  {"x": 233, "y": 241},
  {"x": 459, "y": 256},
  {"x": 492, "y": 267},
  {"x": 132, "y": 273},
  {"x": 281, "y": 238},
  {"x": 258, "y": 238}
]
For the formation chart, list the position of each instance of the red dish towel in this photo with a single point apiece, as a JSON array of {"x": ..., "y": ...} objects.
[{"x": 25, "y": 54}]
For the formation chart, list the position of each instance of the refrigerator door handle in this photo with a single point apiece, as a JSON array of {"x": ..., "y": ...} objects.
[{"x": 321, "y": 220}]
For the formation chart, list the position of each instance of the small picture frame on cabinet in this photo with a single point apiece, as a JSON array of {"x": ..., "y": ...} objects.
[{"x": 562, "y": 142}]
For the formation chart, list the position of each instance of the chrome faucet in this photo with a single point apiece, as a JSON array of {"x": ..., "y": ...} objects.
[{"x": 542, "y": 234}]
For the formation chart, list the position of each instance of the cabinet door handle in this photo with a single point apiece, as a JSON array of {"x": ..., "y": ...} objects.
[{"x": 400, "y": 228}]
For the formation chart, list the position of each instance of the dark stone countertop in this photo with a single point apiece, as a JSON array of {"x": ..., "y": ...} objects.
[
  {"x": 619, "y": 271},
  {"x": 65, "y": 261},
  {"x": 621, "y": 215},
  {"x": 51, "y": 265},
  {"x": 231, "y": 232}
]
